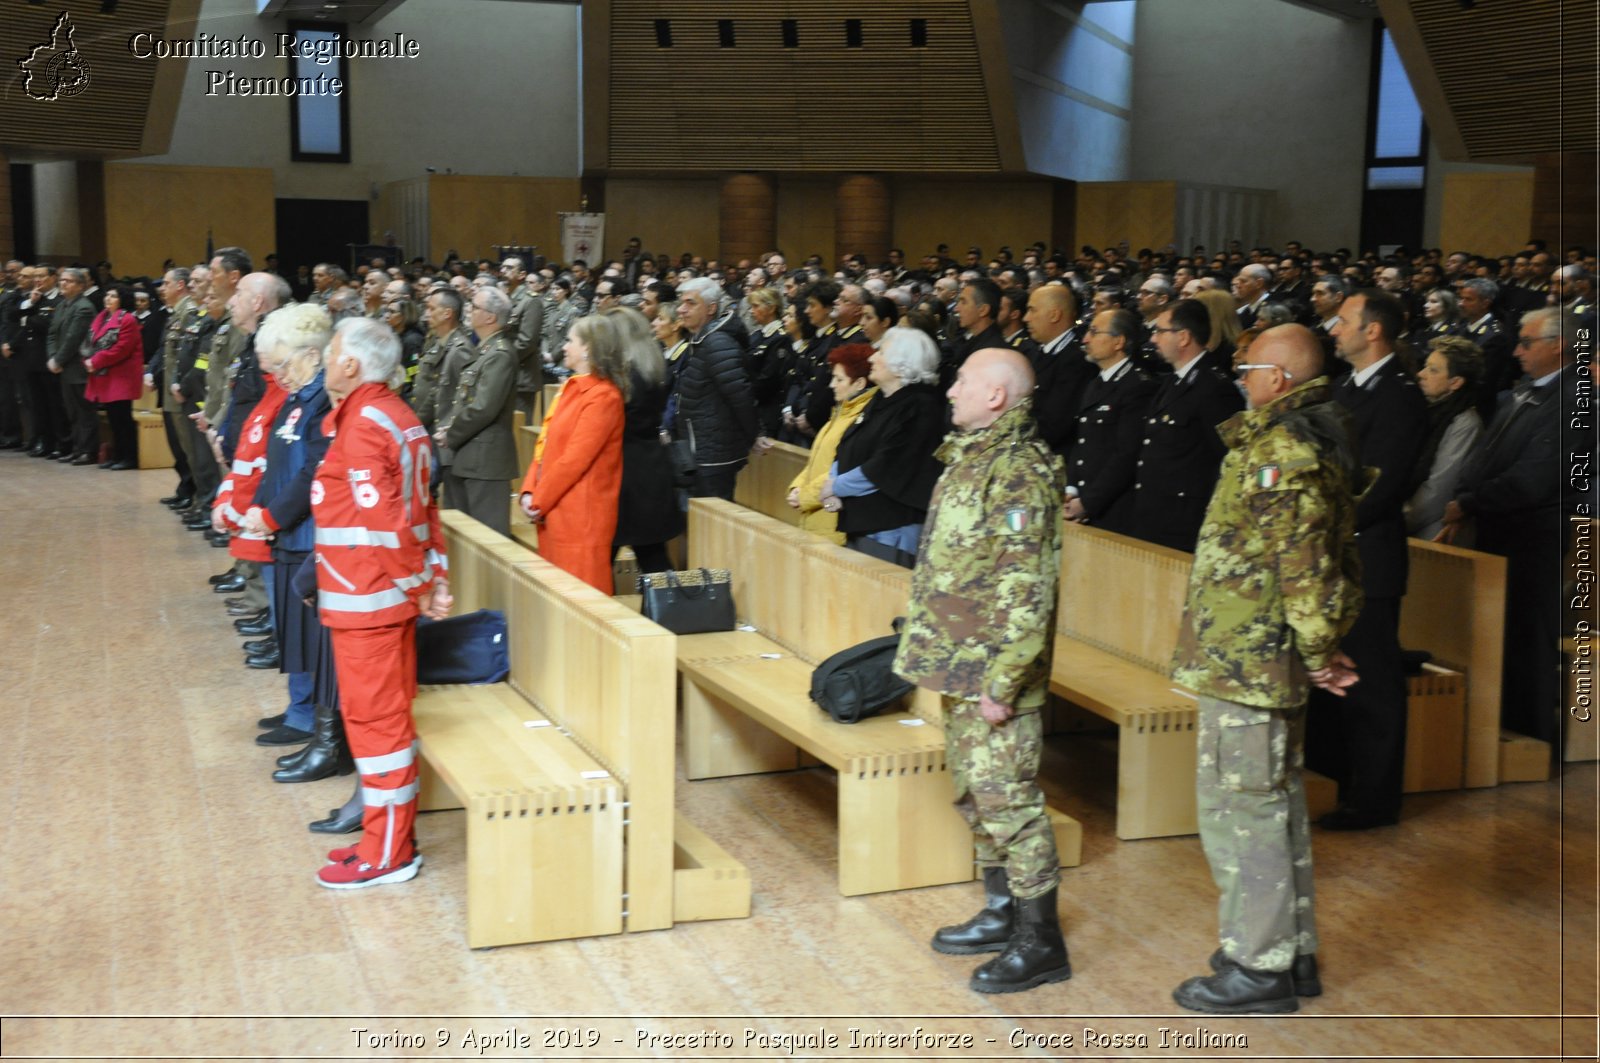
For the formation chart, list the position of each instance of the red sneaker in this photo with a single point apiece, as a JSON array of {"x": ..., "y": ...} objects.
[
  {"x": 340, "y": 855},
  {"x": 352, "y": 874}
]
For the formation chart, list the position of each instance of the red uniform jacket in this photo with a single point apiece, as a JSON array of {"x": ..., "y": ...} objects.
[
  {"x": 249, "y": 462},
  {"x": 117, "y": 371},
  {"x": 378, "y": 543},
  {"x": 576, "y": 484}
]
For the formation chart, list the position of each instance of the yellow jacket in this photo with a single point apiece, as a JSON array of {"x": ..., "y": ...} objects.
[{"x": 813, "y": 518}]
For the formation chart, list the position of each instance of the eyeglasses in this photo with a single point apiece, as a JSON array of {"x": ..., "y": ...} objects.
[
  {"x": 1243, "y": 369},
  {"x": 1158, "y": 329}
]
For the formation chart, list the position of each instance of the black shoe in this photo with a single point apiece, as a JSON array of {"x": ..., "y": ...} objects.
[
  {"x": 176, "y": 501},
  {"x": 108, "y": 464},
  {"x": 220, "y": 542},
  {"x": 295, "y": 759},
  {"x": 83, "y": 459},
  {"x": 283, "y": 736},
  {"x": 253, "y": 618},
  {"x": 253, "y": 628},
  {"x": 39, "y": 450},
  {"x": 199, "y": 522},
  {"x": 263, "y": 661},
  {"x": 345, "y": 819},
  {"x": 327, "y": 755},
  {"x": 212, "y": 535},
  {"x": 11, "y": 443},
  {"x": 1356, "y": 819},
  {"x": 259, "y": 646},
  {"x": 1307, "y": 982},
  {"x": 118, "y": 466},
  {"x": 990, "y": 929},
  {"x": 1239, "y": 991},
  {"x": 1035, "y": 955},
  {"x": 232, "y": 584},
  {"x": 220, "y": 577},
  {"x": 239, "y": 607},
  {"x": 268, "y": 723}
]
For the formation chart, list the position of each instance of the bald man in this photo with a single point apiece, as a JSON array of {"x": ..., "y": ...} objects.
[
  {"x": 1061, "y": 367},
  {"x": 1276, "y": 583},
  {"x": 979, "y": 631}
]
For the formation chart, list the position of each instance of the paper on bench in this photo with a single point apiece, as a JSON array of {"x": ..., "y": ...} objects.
[
  {"x": 912, "y": 722},
  {"x": 772, "y": 656},
  {"x": 536, "y": 723},
  {"x": 595, "y": 774}
]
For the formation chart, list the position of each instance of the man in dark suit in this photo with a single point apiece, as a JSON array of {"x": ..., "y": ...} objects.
[
  {"x": 1510, "y": 490},
  {"x": 1013, "y": 305},
  {"x": 1250, "y": 292},
  {"x": 1292, "y": 288},
  {"x": 13, "y": 374},
  {"x": 69, "y": 328},
  {"x": 1181, "y": 451},
  {"x": 1362, "y": 737},
  {"x": 1102, "y": 459},
  {"x": 977, "y": 309},
  {"x": 1061, "y": 369},
  {"x": 1327, "y": 296}
]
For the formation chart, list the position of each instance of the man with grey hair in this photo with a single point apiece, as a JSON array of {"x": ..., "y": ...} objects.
[
  {"x": 1572, "y": 289},
  {"x": 476, "y": 434},
  {"x": 69, "y": 328},
  {"x": 1250, "y": 292},
  {"x": 716, "y": 408},
  {"x": 1477, "y": 296}
]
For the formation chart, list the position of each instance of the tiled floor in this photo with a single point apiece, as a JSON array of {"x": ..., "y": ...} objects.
[{"x": 149, "y": 867}]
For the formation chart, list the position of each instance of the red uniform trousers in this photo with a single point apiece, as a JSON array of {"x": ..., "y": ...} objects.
[{"x": 377, "y": 683}]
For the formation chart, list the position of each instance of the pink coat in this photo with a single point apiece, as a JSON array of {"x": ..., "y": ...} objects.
[{"x": 116, "y": 369}]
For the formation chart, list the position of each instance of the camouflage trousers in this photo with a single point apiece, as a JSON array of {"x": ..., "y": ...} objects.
[
  {"x": 995, "y": 770},
  {"x": 1255, "y": 830}
]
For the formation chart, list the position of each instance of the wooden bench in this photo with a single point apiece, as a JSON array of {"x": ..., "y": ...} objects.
[
  {"x": 746, "y": 707},
  {"x": 566, "y": 771},
  {"x": 763, "y": 484}
]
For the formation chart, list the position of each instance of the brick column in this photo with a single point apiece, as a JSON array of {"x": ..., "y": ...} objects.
[
  {"x": 747, "y": 205},
  {"x": 863, "y": 215}
]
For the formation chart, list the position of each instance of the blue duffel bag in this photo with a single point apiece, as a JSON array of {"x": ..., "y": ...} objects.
[{"x": 463, "y": 649}]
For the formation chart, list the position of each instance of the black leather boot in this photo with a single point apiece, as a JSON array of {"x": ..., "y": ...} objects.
[
  {"x": 990, "y": 929},
  {"x": 1307, "y": 982},
  {"x": 1035, "y": 955},
  {"x": 345, "y": 819},
  {"x": 1238, "y": 990},
  {"x": 328, "y": 754}
]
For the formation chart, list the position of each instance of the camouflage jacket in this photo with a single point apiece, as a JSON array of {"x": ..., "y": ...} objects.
[
  {"x": 1276, "y": 580},
  {"x": 983, "y": 594}
]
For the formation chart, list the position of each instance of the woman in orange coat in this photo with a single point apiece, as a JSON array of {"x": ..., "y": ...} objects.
[{"x": 571, "y": 490}]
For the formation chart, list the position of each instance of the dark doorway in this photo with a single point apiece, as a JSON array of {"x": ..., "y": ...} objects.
[
  {"x": 319, "y": 230},
  {"x": 24, "y": 235},
  {"x": 1392, "y": 216}
]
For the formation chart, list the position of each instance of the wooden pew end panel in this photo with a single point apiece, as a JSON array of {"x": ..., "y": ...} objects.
[
  {"x": 1523, "y": 759},
  {"x": 707, "y": 883}
]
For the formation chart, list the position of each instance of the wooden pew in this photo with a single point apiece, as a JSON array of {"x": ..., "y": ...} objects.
[
  {"x": 763, "y": 484},
  {"x": 566, "y": 771},
  {"x": 746, "y": 707}
]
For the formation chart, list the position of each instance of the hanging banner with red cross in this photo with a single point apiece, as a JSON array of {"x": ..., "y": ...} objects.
[{"x": 582, "y": 236}]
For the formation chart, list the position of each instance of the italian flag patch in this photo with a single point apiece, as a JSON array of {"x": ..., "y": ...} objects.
[
  {"x": 1268, "y": 476},
  {"x": 1017, "y": 519}
]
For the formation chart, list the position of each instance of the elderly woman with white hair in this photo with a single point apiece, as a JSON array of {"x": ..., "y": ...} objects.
[
  {"x": 380, "y": 564},
  {"x": 292, "y": 341},
  {"x": 885, "y": 471}
]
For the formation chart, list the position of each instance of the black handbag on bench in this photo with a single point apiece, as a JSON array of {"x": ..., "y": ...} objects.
[
  {"x": 859, "y": 681},
  {"x": 688, "y": 603}
]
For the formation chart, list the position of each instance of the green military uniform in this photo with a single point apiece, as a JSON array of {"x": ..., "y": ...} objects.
[
  {"x": 480, "y": 445},
  {"x": 980, "y": 621},
  {"x": 525, "y": 329},
  {"x": 452, "y": 350},
  {"x": 1276, "y": 583},
  {"x": 223, "y": 363}
]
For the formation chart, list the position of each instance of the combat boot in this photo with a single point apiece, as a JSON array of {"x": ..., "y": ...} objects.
[
  {"x": 990, "y": 929},
  {"x": 1236, "y": 990},
  {"x": 1307, "y": 982},
  {"x": 1035, "y": 955}
]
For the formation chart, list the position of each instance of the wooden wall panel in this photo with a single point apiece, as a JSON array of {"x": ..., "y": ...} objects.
[
  {"x": 1141, "y": 212},
  {"x": 402, "y": 209},
  {"x": 474, "y": 214},
  {"x": 8, "y": 235},
  {"x": 670, "y": 215},
  {"x": 805, "y": 218},
  {"x": 1564, "y": 200},
  {"x": 960, "y": 213},
  {"x": 1486, "y": 212},
  {"x": 158, "y": 212},
  {"x": 863, "y": 216},
  {"x": 747, "y": 216}
]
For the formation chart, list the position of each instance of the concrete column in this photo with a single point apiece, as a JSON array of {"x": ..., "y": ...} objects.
[
  {"x": 863, "y": 216},
  {"x": 747, "y": 205}
]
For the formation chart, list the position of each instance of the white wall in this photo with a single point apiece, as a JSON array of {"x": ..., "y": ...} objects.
[
  {"x": 1072, "y": 80},
  {"x": 1255, "y": 94},
  {"x": 464, "y": 104}
]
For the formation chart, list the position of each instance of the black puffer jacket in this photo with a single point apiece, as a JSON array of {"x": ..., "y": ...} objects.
[{"x": 716, "y": 410}]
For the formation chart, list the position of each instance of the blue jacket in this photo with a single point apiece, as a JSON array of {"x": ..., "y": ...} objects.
[{"x": 294, "y": 451}]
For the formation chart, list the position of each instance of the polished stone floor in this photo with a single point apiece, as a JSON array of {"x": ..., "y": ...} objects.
[{"x": 151, "y": 871}]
